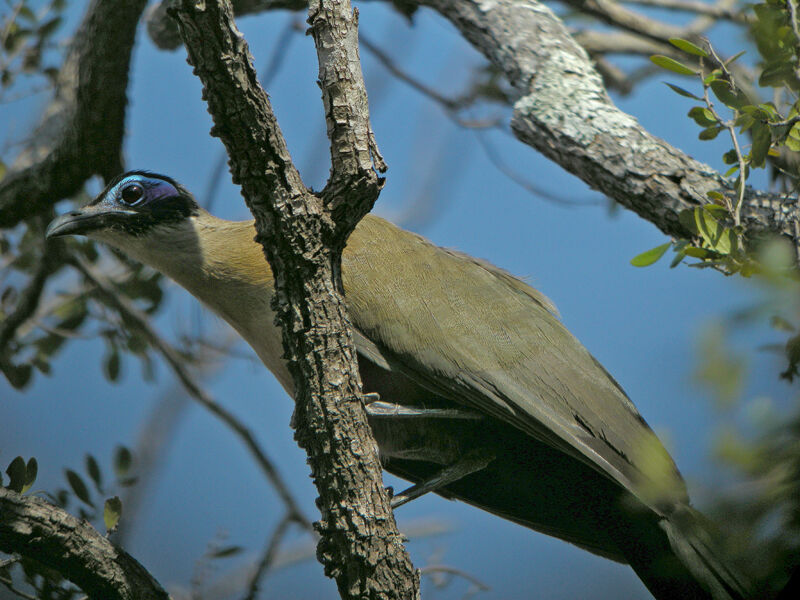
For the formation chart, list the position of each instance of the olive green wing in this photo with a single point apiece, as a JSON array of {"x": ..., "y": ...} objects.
[{"x": 475, "y": 334}]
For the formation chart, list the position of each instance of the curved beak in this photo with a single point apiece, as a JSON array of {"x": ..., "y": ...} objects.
[{"x": 85, "y": 220}]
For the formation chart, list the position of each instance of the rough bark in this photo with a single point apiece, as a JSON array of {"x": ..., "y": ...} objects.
[
  {"x": 33, "y": 528},
  {"x": 562, "y": 110},
  {"x": 303, "y": 234},
  {"x": 81, "y": 131}
]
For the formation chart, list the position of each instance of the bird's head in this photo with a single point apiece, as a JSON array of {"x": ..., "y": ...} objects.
[{"x": 132, "y": 205}]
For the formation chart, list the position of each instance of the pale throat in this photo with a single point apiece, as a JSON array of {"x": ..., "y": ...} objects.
[{"x": 218, "y": 262}]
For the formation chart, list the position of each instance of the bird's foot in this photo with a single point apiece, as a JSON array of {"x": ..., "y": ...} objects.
[
  {"x": 378, "y": 408},
  {"x": 470, "y": 463}
]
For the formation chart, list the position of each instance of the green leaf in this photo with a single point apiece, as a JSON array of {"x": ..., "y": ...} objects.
[
  {"x": 18, "y": 375},
  {"x": 734, "y": 58},
  {"x": 679, "y": 256},
  {"x": 793, "y": 144},
  {"x": 26, "y": 13},
  {"x": 111, "y": 365},
  {"x": 730, "y": 157},
  {"x": 16, "y": 474},
  {"x": 688, "y": 47},
  {"x": 682, "y": 92},
  {"x": 731, "y": 171},
  {"x": 702, "y": 116},
  {"x": 716, "y": 197},
  {"x": 226, "y": 552},
  {"x": 776, "y": 74},
  {"x": 717, "y": 211},
  {"x": 761, "y": 143},
  {"x": 698, "y": 252},
  {"x": 728, "y": 95},
  {"x": 645, "y": 259},
  {"x": 686, "y": 217},
  {"x": 31, "y": 470},
  {"x": 112, "y": 511},
  {"x": 744, "y": 121},
  {"x": 709, "y": 133},
  {"x": 769, "y": 109},
  {"x": 122, "y": 461},
  {"x": 78, "y": 486},
  {"x": 665, "y": 62},
  {"x": 49, "y": 27},
  {"x": 94, "y": 472},
  {"x": 719, "y": 238}
]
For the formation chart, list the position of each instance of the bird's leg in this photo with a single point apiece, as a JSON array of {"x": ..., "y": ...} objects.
[
  {"x": 438, "y": 435},
  {"x": 377, "y": 408},
  {"x": 470, "y": 463}
]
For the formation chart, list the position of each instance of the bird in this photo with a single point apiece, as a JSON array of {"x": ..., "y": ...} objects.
[{"x": 473, "y": 387}]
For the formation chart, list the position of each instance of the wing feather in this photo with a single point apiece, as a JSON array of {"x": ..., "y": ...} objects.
[{"x": 477, "y": 335}]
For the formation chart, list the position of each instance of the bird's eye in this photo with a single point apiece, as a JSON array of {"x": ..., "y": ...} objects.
[{"x": 131, "y": 194}]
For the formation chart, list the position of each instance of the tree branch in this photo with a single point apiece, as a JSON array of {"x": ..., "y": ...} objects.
[
  {"x": 616, "y": 15},
  {"x": 720, "y": 10},
  {"x": 571, "y": 120},
  {"x": 164, "y": 33},
  {"x": 49, "y": 261},
  {"x": 81, "y": 132},
  {"x": 303, "y": 235},
  {"x": 33, "y": 528}
]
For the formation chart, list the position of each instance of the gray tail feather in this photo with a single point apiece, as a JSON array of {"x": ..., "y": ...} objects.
[{"x": 676, "y": 559}]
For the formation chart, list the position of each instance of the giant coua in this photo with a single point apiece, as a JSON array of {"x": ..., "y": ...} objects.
[{"x": 473, "y": 380}]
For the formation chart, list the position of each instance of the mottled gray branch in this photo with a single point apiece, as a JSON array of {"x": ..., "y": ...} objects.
[
  {"x": 81, "y": 130},
  {"x": 302, "y": 235},
  {"x": 40, "y": 531},
  {"x": 562, "y": 109}
]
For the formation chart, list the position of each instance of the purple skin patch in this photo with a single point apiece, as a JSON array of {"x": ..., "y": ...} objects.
[{"x": 154, "y": 189}]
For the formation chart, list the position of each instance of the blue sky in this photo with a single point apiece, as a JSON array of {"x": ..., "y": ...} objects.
[{"x": 642, "y": 324}]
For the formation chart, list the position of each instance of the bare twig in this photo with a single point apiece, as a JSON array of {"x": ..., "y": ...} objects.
[
  {"x": 614, "y": 77},
  {"x": 622, "y": 42},
  {"x": 50, "y": 260},
  {"x": 451, "y": 106},
  {"x": 720, "y": 10},
  {"x": 431, "y": 569},
  {"x": 389, "y": 64},
  {"x": 269, "y": 556},
  {"x": 617, "y": 15},
  {"x": 524, "y": 183}
]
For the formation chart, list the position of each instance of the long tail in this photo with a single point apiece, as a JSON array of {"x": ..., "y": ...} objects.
[{"x": 675, "y": 558}]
